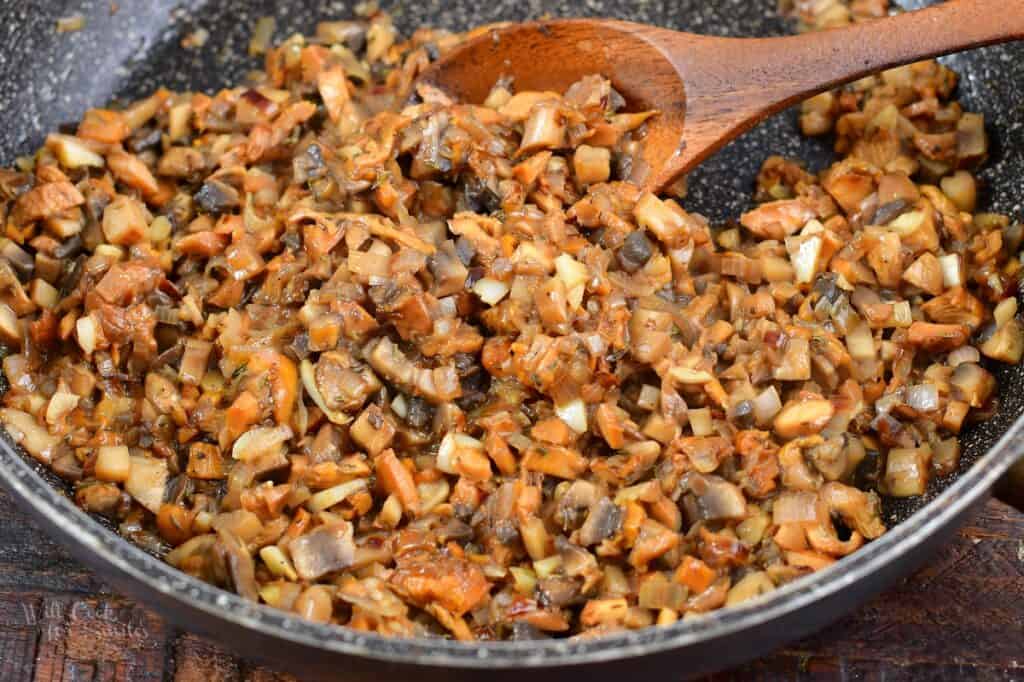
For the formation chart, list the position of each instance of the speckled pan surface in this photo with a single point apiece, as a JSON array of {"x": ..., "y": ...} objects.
[{"x": 48, "y": 79}]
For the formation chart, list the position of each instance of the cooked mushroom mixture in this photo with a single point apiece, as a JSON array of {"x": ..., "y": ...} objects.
[{"x": 417, "y": 367}]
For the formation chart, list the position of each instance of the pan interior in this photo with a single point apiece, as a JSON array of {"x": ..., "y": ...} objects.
[{"x": 129, "y": 53}]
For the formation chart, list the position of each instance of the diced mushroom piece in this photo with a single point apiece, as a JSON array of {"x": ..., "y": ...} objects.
[
  {"x": 925, "y": 273},
  {"x": 937, "y": 337},
  {"x": 425, "y": 576},
  {"x": 956, "y": 307},
  {"x": 962, "y": 190},
  {"x": 46, "y": 201},
  {"x": 796, "y": 361},
  {"x": 603, "y": 521},
  {"x": 973, "y": 383},
  {"x": 544, "y": 129},
  {"x": 591, "y": 164},
  {"x": 662, "y": 218},
  {"x": 438, "y": 384},
  {"x": 73, "y": 152},
  {"x": 61, "y": 404},
  {"x": 653, "y": 541},
  {"x": 147, "y": 481},
  {"x": 803, "y": 418},
  {"x": 906, "y": 471},
  {"x": 124, "y": 222},
  {"x": 861, "y": 511},
  {"x": 886, "y": 259},
  {"x": 373, "y": 430},
  {"x": 716, "y": 499},
  {"x": 971, "y": 139},
  {"x": 796, "y": 472},
  {"x": 777, "y": 219},
  {"x": 1006, "y": 344},
  {"x": 26, "y": 432},
  {"x": 194, "y": 361},
  {"x": 323, "y": 550}
]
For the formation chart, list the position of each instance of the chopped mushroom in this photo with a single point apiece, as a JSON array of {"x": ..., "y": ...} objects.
[{"x": 352, "y": 348}]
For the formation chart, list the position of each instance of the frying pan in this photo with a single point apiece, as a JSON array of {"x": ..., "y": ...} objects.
[{"x": 48, "y": 79}]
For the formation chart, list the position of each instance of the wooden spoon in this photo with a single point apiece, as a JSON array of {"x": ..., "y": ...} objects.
[{"x": 710, "y": 90}]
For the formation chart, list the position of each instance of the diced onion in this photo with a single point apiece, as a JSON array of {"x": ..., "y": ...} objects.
[
  {"x": 260, "y": 441},
  {"x": 952, "y": 272},
  {"x": 923, "y": 397},
  {"x": 803, "y": 254},
  {"x": 113, "y": 463},
  {"x": 793, "y": 506},
  {"x": 573, "y": 413},
  {"x": 490, "y": 291},
  {"x": 963, "y": 354},
  {"x": 766, "y": 405},
  {"x": 448, "y": 452},
  {"x": 325, "y": 499},
  {"x": 278, "y": 563},
  {"x": 700, "y": 422},
  {"x": 649, "y": 396},
  {"x": 1005, "y": 311}
]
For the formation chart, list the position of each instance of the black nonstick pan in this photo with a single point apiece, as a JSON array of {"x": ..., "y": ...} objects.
[{"x": 129, "y": 47}]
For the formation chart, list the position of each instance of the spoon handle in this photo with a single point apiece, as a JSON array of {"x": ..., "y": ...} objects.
[{"x": 729, "y": 90}]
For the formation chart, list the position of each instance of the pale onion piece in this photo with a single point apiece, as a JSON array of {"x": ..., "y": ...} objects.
[
  {"x": 85, "y": 330},
  {"x": 545, "y": 568},
  {"x": 72, "y": 152},
  {"x": 906, "y": 471},
  {"x": 146, "y": 481},
  {"x": 325, "y": 499},
  {"x": 260, "y": 441},
  {"x": 798, "y": 506},
  {"x": 861, "y": 342},
  {"x": 490, "y": 291},
  {"x": 908, "y": 223},
  {"x": 24, "y": 431},
  {"x": 753, "y": 584},
  {"x": 573, "y": 413},
  {"x": 366, "y": 264},
  {"x": 923, "y": 397},
  {"x": 813, "y": 226},
  {"x": 591, "y": 164},
  {"x": 399, "y": 406},
  {"x": 124, "y": 221},
  {"x": 308, "y": 375},
  {"x": 901, "y": 314},
  {"x": 657, "y": 216},
  {"x": 278, "y": 563},
  {"x": 432, "y": 494},
  {"x": 804, "y": 253},
  {"x": 685, "y": 375},
  {"x": 448, "y": 451},
  {"x": 110, "y": 252},
  {"x": 1005, "y": 311},
  {"x": 767, "y": 404},
  {"x": 113, "y": 463},
  {"x": 10, "y": 330},
  {"x": 649, "y": 397},
  {"x": 544, "y": 129},
  {"x": 390, "y": 512},
  {"x": 700, "y": 422},
  {"x": 963, "y": 354},
  {"x": 160, "y": 229},
  {"x": 524, "y": 580},
  {"x": 44, "y": 294},
  {"x": 952, "y": 271},
  {"x": 61, "y": 404},
  {"x": 573, "y": 274}
]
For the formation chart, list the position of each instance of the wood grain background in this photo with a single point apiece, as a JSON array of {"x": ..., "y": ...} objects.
[{"x": 961, "y": 618}]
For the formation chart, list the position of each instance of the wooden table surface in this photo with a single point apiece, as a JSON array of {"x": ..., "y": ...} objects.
[{"x": 961, "y": 618}]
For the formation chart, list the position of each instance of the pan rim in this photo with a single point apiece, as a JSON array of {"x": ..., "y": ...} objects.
[{"x": 105, "y": 547}]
